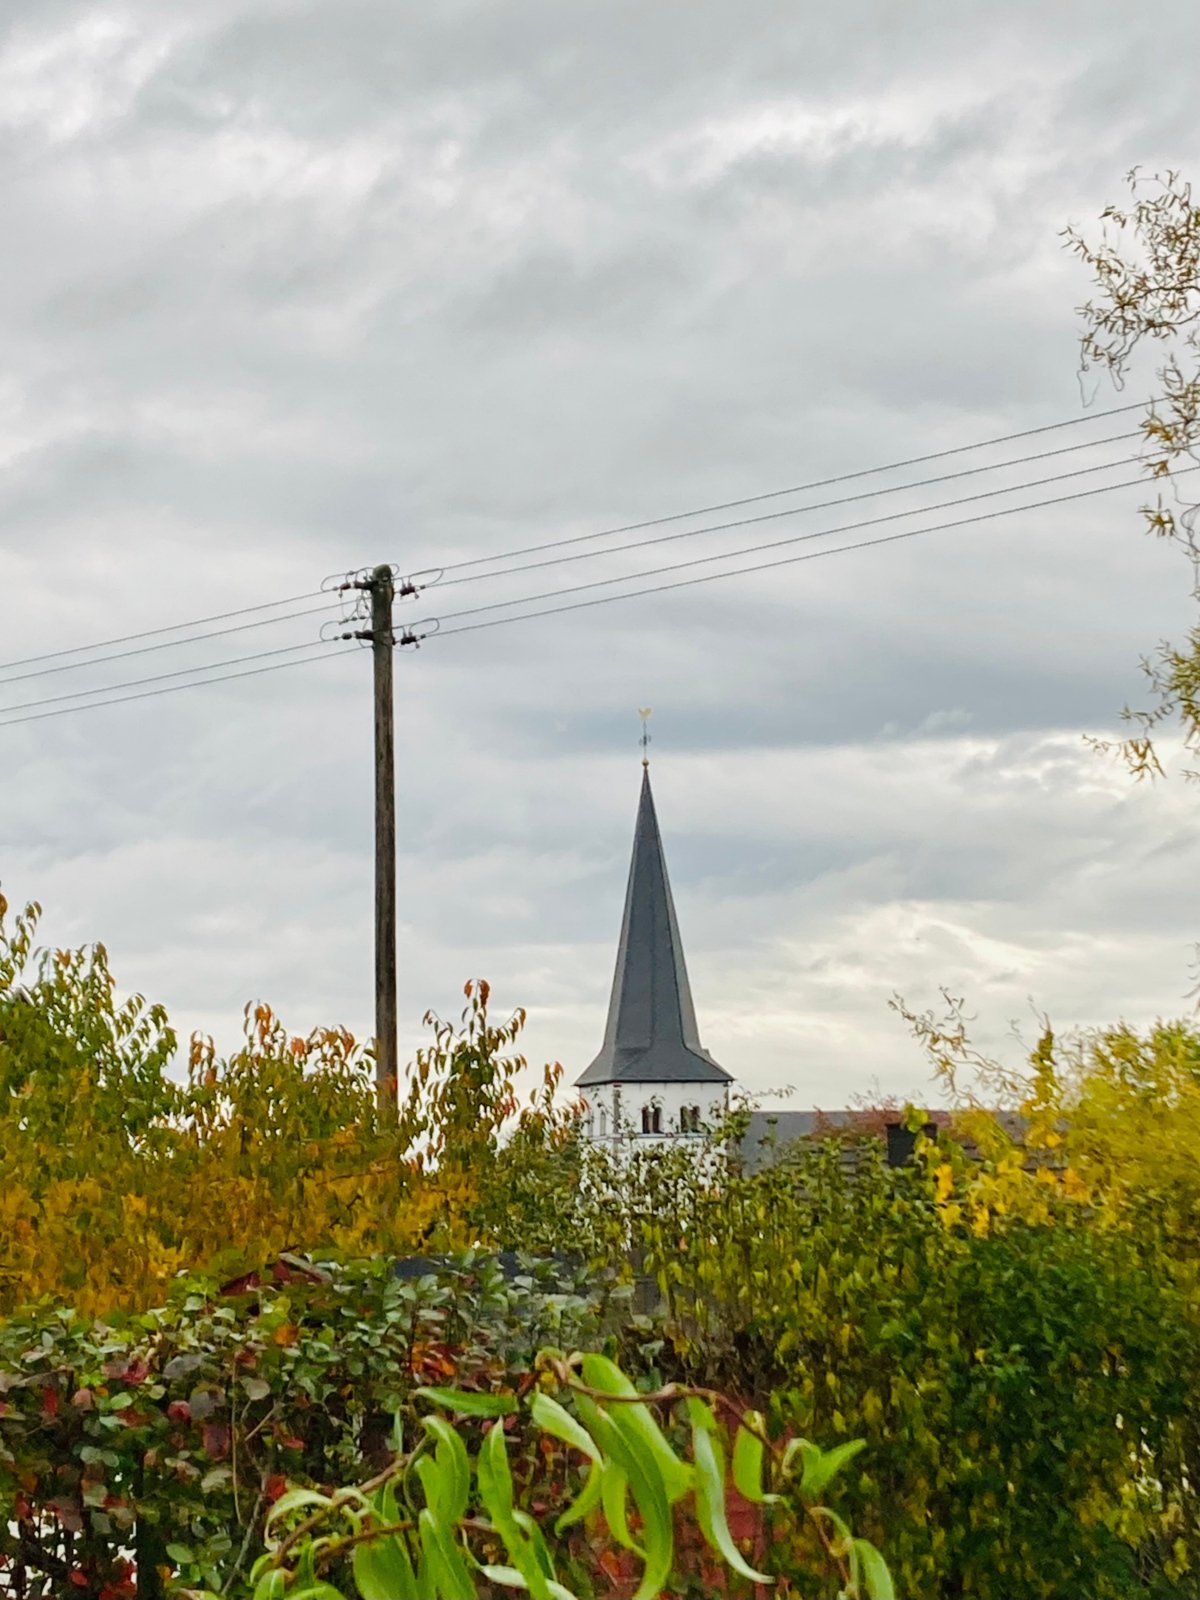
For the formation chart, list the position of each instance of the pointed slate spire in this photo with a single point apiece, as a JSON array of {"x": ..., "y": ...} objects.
[{"x": 651, "y": 1036}]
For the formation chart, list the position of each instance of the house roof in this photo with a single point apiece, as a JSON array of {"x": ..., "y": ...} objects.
[
  {"x": 768, "y": 1133},
  {"x": 770, "y": 1136},
  {"x": 651, "y": 1034}
]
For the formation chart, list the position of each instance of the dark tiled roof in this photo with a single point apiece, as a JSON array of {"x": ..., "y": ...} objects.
[
  {"x": 651, "y": 1034},
  {"x": 768, "y": 1133}
]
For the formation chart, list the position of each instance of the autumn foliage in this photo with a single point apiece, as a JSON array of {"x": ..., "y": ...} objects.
[
  {"x": 124, "y": 1161},
  {"x": 1011, "y": 1323}
]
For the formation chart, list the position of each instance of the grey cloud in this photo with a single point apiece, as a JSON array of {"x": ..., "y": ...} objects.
[{"x": 292, "y": 288}]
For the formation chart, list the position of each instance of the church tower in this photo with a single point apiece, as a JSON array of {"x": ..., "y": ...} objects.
[{"x": 653, "y": 1080}]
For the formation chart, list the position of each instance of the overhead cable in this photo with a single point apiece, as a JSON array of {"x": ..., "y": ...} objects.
[
  {"x": 803, "y": 488},
  {"x": 159, "y": 677},
  {"x": 796, "y": 538},
  {"x": 810, "y": 555},
  {"x": 150, "y": 633},
  {"x": 556, "y": 544},
  {"x": 320, "y": 654},
  {"x": 165, "y": 644},
  {"x": 632, "y": 594},
  {"x": 794, "y": 511}
]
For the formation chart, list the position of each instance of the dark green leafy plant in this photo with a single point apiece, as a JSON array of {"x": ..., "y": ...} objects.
[
  {"x": 443, "y": 1521},
  {"x": 169, "y": 1436}
]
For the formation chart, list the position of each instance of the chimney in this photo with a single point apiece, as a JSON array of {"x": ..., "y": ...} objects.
[{"x": 902, "y": 1142}]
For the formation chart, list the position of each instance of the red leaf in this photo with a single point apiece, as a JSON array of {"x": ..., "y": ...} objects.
[{"x": 216, "y": 1440}]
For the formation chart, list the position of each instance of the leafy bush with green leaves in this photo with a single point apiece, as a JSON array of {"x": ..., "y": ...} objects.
[
  {"x": 167, "y": 1436},
  {"x": 1026, "y": 1390},
  {"x": 444, "y": 1520}
]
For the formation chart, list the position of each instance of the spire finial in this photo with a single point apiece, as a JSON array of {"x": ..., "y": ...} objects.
[{"x": 644, "y": 713}]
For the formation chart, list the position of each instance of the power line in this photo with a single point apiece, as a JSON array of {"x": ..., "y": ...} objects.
[
  {"x": 165, "y": 644},
  {"x": 150, "y": 633},
  {"x": 795, "y": 511},
  {"x": 598, "y": 600},
  {"x": 320, "y": 654},
  {"x": 811, "y": 555},
  {"x": 632, "y": 527},
  {"x": 689, "y": 533},
  {"x": 797, "y": 538},
  {"x": 799, "y": 488},
  {"x": 158, "y": 677}
]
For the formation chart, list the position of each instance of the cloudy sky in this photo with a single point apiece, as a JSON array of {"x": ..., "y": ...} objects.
[{"x": 292, "y": 287}]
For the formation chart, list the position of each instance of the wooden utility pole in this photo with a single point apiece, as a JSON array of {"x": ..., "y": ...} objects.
[{"x": 382, "y": 646}]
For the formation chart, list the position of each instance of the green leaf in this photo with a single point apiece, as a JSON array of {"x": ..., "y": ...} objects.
[
  {"x": 434, "y": 1484},
  {"x": 748, "y": 1452},
  {"x": 179, "y": 1554},
  {"x": 383, "y": 1570},
  {"x": 469, "y": 1402},
  {"x": 822, "y": 1466},
  {"x": 455, "y": 1467},
  {"x": 874, "y": 1570},
  {"x": 557, "y": 1421},
  {"x": 496, "y": 1492},
  {"x": 293, "y": 1499},
  {"x": 506, "y": 1577},
  {"x": 537, "y": 1543},
  {"x": 585, "y": 1501},
  {"x": 839, "y": 1523},
  {"x": 614, "y": 1486},
  {"x": 601, "y": 1373},
  {"x": 271, "y": 1587},
  {"x": 383, "y": 1503},
  {"x": 710, "y": 1503},
  {"x": 495, "y": 1478},
  {"x": 444, "y": 1560},
  {"x": 624, "y": 1441}
]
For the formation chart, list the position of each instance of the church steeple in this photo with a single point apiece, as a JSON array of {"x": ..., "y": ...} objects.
[{"x": 651, "y": 1036}]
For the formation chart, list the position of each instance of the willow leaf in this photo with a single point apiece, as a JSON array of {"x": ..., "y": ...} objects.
[
  {"x": 822, "y": 1466},
  {"x": 445, "y": 1564},
  {"x": 710, "y": 1504},
  {"x": 636, "y": 1418},
  {"x": 585, "y": 1501},
  {"x": 557, "y": 1421},
  {"x": 876, "y": 1577},
  {"x": 469, "y": 1402},
  {"x": 496, "y": 1492},
  {"x": 383, "y": 1571},
  {"x": 455, "y": 1467},
  {"x": 748, "y": 1452}
]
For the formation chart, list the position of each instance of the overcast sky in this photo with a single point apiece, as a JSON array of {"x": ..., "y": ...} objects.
[{"x": 290, "y": 288}]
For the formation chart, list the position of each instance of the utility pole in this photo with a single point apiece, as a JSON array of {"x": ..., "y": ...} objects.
[
  {"x": 381, "y": 590},
  {"x": 381, "y": 586}
]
